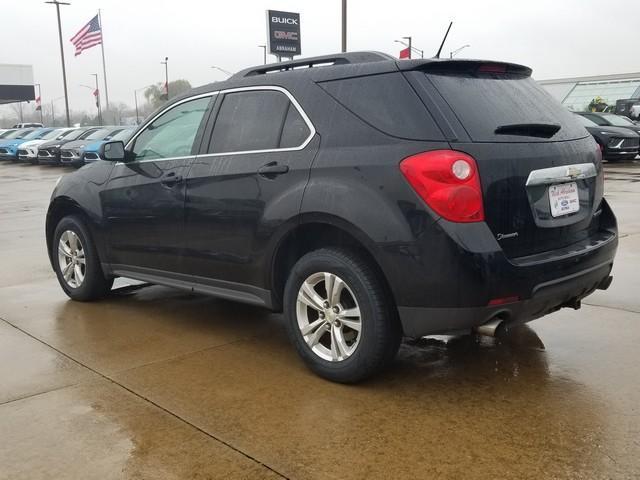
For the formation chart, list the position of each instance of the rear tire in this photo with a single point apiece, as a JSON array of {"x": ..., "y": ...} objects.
[
  {"x": 339, "y": 316},
  {"x": 76, "y": 262}
]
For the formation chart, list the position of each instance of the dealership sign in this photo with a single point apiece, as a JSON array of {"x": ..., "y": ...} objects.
[{"x": 283, "y": 33}]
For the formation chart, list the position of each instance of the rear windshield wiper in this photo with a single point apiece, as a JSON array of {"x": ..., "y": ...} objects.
[{"x": 543, "y": 130}]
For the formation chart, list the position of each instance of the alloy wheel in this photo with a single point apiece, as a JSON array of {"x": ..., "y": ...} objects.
[
  {"x": 71, "y": 259},
  {"x": 328, "y": 316}
]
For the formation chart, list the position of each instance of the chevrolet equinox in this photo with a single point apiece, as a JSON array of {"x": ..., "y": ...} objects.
[{"x": 365, "y": 197}]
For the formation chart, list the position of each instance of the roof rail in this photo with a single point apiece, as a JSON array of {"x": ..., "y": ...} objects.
[{"x": 335, "y": 59}]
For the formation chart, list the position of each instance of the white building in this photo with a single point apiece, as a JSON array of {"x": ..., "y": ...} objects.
[{"x": 576, "y": 93}]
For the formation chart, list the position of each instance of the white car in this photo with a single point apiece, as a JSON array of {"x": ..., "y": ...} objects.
[{"x": 28, "y": 151}]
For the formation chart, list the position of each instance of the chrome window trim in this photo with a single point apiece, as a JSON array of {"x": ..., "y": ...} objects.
[
  {"x": 565, "y": 173},
  {"x": 292, "y": 99}
]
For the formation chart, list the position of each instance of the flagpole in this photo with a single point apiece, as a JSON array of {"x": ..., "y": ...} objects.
[{"x": 104, "y": 68}]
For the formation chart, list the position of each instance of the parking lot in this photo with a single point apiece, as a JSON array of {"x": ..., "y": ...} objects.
[{"x": 157, "y": 383}]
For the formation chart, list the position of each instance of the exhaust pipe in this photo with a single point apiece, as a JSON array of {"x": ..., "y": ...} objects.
[{"x": 490, "y": 328}]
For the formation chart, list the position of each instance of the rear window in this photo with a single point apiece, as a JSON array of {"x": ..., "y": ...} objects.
[
  {"x": 386, "y": 102},
  {"x": 485, "y": 102}
]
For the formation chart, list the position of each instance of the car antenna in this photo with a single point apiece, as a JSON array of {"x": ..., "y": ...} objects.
[{"x": 443, "y": 40}]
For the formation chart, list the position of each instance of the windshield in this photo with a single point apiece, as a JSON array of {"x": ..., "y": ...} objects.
[
  {"x": 65, "y": 133},
  {"x": 6, "y": 134},
  {"x": 37, "y": 134},
  {"x": 617, "y": 120},
  {"x": 74, "y": 134},
  {"x": 19, "y": 134},
  {"x": 100, "y": 134},
  {"x": 124, "y": 134},
  {"x": 52, "y": 134},
  {"x": 586, "y": 122}
]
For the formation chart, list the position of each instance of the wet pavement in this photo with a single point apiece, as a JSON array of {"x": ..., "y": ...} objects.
[{"x": 157, "y": 383}]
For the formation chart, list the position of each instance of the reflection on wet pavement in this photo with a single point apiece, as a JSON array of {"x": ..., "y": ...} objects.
[{"x": 156, "y": 383}]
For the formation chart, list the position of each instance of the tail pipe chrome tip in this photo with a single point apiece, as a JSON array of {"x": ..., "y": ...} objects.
[{"x": 491, "y": 328}]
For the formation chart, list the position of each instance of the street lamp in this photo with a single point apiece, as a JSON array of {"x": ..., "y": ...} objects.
[
  {"x": 53, "y": 111},
  {"x": 411, "y": 47},
  {"x": 264, "y": 48},
  {"x": 226, "y": 72},
  {"x": 166, "y": 75},
  {"x": 98, "y": 102},
  {"x": 457, "y": 50},
  {"x": 135, "y": 97}
]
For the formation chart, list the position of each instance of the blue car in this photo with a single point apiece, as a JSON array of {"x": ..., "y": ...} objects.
[
  {"x": 9, "y": 145},
  {"x": 91, "y": 150}
]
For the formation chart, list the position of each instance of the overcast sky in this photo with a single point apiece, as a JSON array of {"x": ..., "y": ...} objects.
[{"x": 557, "y": 38}]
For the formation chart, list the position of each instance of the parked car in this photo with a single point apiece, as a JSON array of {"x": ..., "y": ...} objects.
[
  {"x": 28, "y": 151},
  {"x": 72, "y": 153},
  {"x": 9, "y": 146},
  {"x": 49, "y": 152},
  {"x": 616, "y": 143},
  {"x": 91, "y": 150},
  {"x": 611, "y": 120},
  {"x": 366, "y": 197},
  {"x": 28, "y": 125}
]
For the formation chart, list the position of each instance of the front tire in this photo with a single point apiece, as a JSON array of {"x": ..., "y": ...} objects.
[
  {"x": 76, "y": 262},
  {"x": 339, "y": 316}
]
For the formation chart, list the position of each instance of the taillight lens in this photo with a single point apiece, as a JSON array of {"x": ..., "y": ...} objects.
[{"x": 448, "y": 181}]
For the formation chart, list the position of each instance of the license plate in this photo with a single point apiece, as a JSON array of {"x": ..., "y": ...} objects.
[{"x": 564, "y": 199}]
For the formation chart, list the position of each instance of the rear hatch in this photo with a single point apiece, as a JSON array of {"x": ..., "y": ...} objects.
[{"x": 540, "y": 169}]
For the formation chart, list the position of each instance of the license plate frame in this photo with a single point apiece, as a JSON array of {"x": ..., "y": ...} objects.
[{"x": 564, "y": 199}]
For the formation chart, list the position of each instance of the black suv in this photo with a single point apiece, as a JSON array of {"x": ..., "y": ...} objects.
[{"x": 365, "y": 197}]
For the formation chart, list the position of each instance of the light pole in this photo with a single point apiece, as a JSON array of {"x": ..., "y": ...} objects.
[
  {"x": 411, "y": 47},
  {"x": 264, "y": 48},
  {"x": 98, "y": 102},
  {"x": 457, "y": 50},
  {"x": 92, "y": 89},
  {"x": 166, "y": 75},
  {"x": 344, "y": 26},
  {"x": 135, "y": 98},
  {"x": 64, "y": 72},
  {"x": 40, "y": 97},
  {"x": 53, "y": 110},
  {"x": 226, "y": 72}
]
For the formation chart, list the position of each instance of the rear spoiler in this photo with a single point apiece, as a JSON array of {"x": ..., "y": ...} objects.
[{"x": 470, "y": 67}]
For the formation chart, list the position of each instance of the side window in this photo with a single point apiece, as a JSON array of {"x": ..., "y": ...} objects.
[
  {"x": 256, "y": 120},
  {"x": 295, "y": 130},
  {"x": 171, "y": 134},
  {"x": 388, "y": 103}
]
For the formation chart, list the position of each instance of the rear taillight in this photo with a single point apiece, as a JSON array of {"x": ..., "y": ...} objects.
[{"x": 448, "y": 181}]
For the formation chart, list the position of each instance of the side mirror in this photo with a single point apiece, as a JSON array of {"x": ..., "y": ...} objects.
[{"x": 112, "y": 151}]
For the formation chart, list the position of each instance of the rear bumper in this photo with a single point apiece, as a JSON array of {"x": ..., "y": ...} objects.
[
  {"x": 456, "y": 288},
  {"x": 547, "y": 297}
]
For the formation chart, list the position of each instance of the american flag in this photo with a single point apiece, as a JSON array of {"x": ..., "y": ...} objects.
[{"x": 89, "y": 36}]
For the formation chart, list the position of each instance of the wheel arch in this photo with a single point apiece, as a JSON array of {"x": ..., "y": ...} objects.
[
  {"x": 311, "y": 232},
  {"x": 59, "y": 208}
]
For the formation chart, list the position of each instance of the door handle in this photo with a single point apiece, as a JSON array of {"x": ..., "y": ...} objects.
[
  {"x": 170, "y": 179},
  {"x": 272, "y": 169}
]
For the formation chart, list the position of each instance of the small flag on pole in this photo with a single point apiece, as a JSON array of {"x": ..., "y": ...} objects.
[
  {"x": 89, "y": 36},
  {"x": 96, "y": 93},
  {"x": 165, "y": 94},
  {"x": 38, "y": 104},
  {"x": 405, "y": 53}
]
